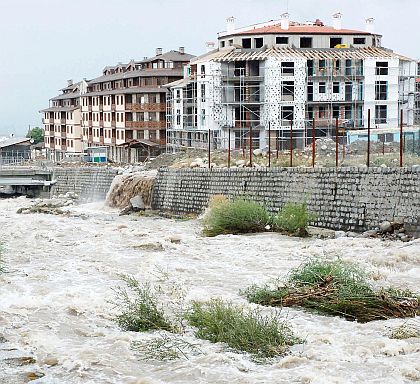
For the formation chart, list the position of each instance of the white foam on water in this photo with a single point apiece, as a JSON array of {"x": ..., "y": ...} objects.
[{"x": 54, "y": 300}]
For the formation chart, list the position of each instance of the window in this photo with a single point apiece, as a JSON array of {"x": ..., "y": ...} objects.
[
  {"x": 230, "y": 42},
  {"x": 178, "y": 117},
  {"x": 310, "y": 113},
  {"x": 336, "y": 112},
  {"x": 381, "y": 90},
  {"x": 334, "y": 41},
  {"x": 203, "y": 70},
  {"x": 321, "y": 112},
  {"x": 288, "y": 90},
  {"x": 287, "y": 113},
  {"x": 259, "y": 42},
  {"x": 222, "y": 44},
  {"x": 381, "y": 68},
  {"x": 380, "y": 114},
  {"x": 336, "y": 87},
  {"x": 287, "y": 69},
  {"x": 359, "y": 40},
  {"x": 282, "y": 40},
  {"x": 246, "y": 43},
  {"x": 322, "y": 87},
  {"x": 322, "y": 64},
  {"x": 203, "y": 93},
  {"x": 306, "y": 42}
]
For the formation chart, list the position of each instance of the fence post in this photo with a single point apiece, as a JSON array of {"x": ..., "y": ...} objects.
[
  {"x": 229, "y": 149},
  {"x": 401, "y": 138},
  {"x": 209, "y": 154},
  {"x": 368, "y": 143},
  {"x": 250, "y": 145},
  {"x": 313, "y": 143},
  {"x": 344, "y": 143},
  {"x": 291, "y": 143},
  {"x": 336, "y": 142},
  {"x": 269, "y": 144}
]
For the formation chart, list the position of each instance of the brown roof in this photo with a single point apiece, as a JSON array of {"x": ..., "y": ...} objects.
[
  {"x": 176, "y": 72},
  {"x": 300, "y": 29}
]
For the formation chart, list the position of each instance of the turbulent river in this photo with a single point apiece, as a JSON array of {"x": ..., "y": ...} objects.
[{"x": 61, "y": 271}]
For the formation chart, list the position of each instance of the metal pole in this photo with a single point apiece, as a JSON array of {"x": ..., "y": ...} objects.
[
  {"x": 229, "y": 149},
  {"x": 401, "y": 138},
  {"x": 209, "y": 155},
  {"x": 336, "y": 142},
  {"x": 368, "y": 145},
  {"x": 313, "y": 143},
  {"x": 344, "y": 143},
  {"x": 269, "y": 144},
  {"x": 291, "y": 143},
  {"x": 250, "y": 145}
]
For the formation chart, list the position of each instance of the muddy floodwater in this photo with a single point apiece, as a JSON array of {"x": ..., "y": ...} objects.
[{"x": 56, "y": 321}]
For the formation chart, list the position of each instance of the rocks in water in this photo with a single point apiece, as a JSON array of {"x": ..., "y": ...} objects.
[
  {"x": 175, "y": 240},
  {"x": 385, "y": 227},
  {"x": 137, "y": 203},
  {"x": 149, "y": 247},
  {"x": 389, "y": 231}
]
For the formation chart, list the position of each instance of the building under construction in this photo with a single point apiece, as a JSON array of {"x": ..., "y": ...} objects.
[{"x": 280, "y": 78}]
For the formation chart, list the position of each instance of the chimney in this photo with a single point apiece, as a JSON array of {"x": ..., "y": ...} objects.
[
  {"x": 181, "y": 50},
  {"x": 210, "y": 46},
  {"x": 69, "y": 83},
  {"x": 145, "y": 58},
  {"x": 370, "y": 25},
  {"x": 159, "y": 51},
  {"x": 284, "y": 18},
  {"x": 337, "y": 21},
  {"x": 230, "y": 24}
]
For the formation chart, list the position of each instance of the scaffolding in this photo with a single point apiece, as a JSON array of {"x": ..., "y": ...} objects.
[{"x": 241, "y": 84}]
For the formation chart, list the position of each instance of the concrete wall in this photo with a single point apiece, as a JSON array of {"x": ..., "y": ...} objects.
[
  {"x": 90, "y": 183},
  {"x": 346, "y": 198}
]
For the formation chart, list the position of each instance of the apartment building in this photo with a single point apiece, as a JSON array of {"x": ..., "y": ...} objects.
[
  {"x": 62, "y": 122},
  {"x": 125, "y": 108},
  {"x": 123, "y": 111},
  {"x": 280, "y": 76}
]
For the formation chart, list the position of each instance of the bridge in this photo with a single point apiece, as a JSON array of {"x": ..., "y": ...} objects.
[{"x": 25, "y": 181}]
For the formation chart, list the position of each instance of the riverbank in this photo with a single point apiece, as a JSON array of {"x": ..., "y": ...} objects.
[{"x": 55, "y": 296}]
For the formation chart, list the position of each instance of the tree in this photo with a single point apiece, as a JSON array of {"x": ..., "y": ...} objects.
[{"x": 36, "y": 134}]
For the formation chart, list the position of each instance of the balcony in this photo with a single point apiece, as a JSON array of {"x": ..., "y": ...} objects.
[
  {"x": 150, "y": 107},
  {"x": 146, "y": 124}
]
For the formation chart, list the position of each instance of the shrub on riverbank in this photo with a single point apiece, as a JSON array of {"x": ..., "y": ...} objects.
[
  {"x": 339, "y": 289},
  {"x": 260, "y": 335},
  {"x": 235, "y": 217},
  {"x": 294, "y": 218},
  {"x": 139, "y": 309}
]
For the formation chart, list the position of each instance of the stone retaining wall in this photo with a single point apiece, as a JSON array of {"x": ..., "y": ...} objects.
[
  {"x": 353, "y": 199},
  {"x": 90, "y": 183}
]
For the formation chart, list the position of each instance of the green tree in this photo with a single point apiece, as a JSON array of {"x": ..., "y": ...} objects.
[{"x": 36, "y": 134}]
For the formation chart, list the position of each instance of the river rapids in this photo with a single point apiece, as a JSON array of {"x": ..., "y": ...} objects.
[{"x": 56, "y": 319}]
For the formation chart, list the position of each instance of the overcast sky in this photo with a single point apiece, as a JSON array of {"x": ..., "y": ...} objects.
[{"x": 46, "y": 42}]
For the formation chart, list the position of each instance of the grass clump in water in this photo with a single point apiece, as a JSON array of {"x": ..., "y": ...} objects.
[
  {"x": 405, "y": 331},
  {"x": 294, "y": 218},
  {"x": 166, "y": 347},
  {"x": 260, "y": 335},
  {"x": 235, "y": 217},
  {"x": 139, "y": 310},
  {"x": 336, "y": 288}
]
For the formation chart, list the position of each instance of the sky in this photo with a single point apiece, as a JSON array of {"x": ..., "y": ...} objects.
[{"x": 43, "y": 43}]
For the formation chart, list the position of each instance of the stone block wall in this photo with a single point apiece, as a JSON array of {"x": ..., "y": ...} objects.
[
  {"x": 354, "y": 199},
  {"x": 90, "y": 183}
]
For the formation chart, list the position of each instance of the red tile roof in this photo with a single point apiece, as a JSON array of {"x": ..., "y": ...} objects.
[{"x": 301, "y": 29}]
